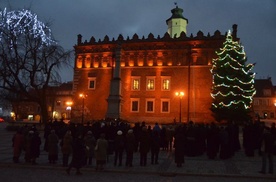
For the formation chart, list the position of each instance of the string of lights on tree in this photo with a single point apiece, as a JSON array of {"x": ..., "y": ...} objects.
[
  {"x": 17, "y": 23},
  {"x": 233, "y": 80}
]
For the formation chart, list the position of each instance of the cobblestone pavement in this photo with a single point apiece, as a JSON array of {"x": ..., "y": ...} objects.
[{"x": 238, "y": 167}]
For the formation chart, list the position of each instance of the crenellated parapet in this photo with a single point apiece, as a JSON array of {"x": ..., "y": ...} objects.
[
  {"x": 150, "y": 51},
  {"x": 150, "y": 38}
]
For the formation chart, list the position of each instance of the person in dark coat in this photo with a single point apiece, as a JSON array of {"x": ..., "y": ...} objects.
[
  {"x": 53, "y": 141},
  {"x": 212, "y": 141},
  {"x": 144, "y": 146},
  {"x": 78, "y": 158},
  {"x": 267, "y": 141},
  {"x": 119, "y": 146},
  {"x": 35, "y": 147},
  {"x": 179, "y": 145},
  {"x": 18, "y": 145},
  {"x": 90, "y": 143},
  {"x": 27, "y": 145},
  {"x": 66, "y": 147},
  {"x": 225, "y": 152},
  {"x": 130, "y": 147},
  {"x": 155, "y": 147}
]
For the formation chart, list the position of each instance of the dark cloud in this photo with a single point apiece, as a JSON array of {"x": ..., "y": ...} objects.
[{"x": 255, "y": 19}]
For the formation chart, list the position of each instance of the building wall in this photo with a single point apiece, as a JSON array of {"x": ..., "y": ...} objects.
[{"x": 151, "y": 57}]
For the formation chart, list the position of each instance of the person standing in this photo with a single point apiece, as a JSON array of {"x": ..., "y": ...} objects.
[
  {"x": 155, "y": 147},
  {"x": 267, "y": 141},
  {"x": 90, "y": 143},
  {"x": 119, "y": 146},
  {"x": 35, "y": 147},
  {"x": 144, "y": 146},
  {"x": 78, "y": 158},
  {"x": 53, "y": 147},
  {"x": 130, "y": 147},
  {"x": 101, "y": 152},
  {"x": 66, "y": 147},
  {"x": 27, "y": 145},
  {"x": 18, "y": 145},
  {"x": 179, "y": 144}
]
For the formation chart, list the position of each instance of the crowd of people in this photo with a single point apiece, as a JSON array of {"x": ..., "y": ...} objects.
[{"x": 83, "y": 143}]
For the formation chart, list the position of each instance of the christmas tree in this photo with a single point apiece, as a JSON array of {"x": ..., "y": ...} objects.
[{"x": 233, "y": 83}]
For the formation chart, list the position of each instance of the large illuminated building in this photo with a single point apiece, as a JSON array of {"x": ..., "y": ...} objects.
[{"x": 138, "y": 78}]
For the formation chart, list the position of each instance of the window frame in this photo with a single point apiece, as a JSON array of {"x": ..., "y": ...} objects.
[
  {"x": 153, "y": 105},
  {"x": 163, "y": 78},
  {"x": 147, "y": 83},
  {"x": 89, "y": 81},
  {"x": 138, "y": 78},
  {"x": 132, "y": 100},
  {"x": 162, "y": 101}
]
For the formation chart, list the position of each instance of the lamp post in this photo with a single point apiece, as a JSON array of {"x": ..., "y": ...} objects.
[
  {"x": 82, "y": 113},
  {"x": 180, "y": 95}
]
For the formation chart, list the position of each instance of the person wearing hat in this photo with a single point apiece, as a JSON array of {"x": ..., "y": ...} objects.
[{"x": 119, "y": 146}]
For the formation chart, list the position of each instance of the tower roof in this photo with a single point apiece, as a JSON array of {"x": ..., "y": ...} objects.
[{"x": 176, "y": 13}]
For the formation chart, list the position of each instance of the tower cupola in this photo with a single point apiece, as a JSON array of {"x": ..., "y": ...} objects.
[{"x": 176, "y": 23}]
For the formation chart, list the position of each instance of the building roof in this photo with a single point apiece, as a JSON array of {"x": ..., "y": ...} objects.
[{"x": 176, "y": 13}]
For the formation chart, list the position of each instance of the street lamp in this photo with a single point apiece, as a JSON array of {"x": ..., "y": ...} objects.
[
  {"x": 180, "y": 95},
  {"x": 83, "y": 96}
]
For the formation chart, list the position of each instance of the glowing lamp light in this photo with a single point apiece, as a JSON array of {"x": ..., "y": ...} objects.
[{"x": 179, "y": 94}]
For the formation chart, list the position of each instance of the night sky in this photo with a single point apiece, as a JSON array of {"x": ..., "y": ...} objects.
[{"x": 256, "y": 20}]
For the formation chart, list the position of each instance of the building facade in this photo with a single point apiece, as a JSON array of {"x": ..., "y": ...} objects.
[
  {"x": 136, "y": 79},
  {"x": 264, "y": 103},
  {"x": 59, "y": 103}
]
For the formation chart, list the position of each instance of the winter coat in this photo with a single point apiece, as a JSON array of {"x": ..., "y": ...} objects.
[
  {"x": 53, "y": 144},
  {"x": 35, "y": 146},
  {"x": 78, "y": 158},
  {"x": 90, "y": 143},
  {"x": 101, "y": 152},
  {"x": 144, "y": 142},
  {"x": 130, "y": 142},
  {"x": 18, "y": 144},
  {"x": 66, "y": 146}
]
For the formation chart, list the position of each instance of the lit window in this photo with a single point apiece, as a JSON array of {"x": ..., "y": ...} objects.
[
  {"x": 150, "y": 105},
  {"x": 92, "y": 83},
  {"x": 135, "y": 83},
  {"x": 150, "y": 83},
  {"x": 166, "y": 83},
  {"x": 134, "y": 105},
  {"x": 165, "y": 106}
]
